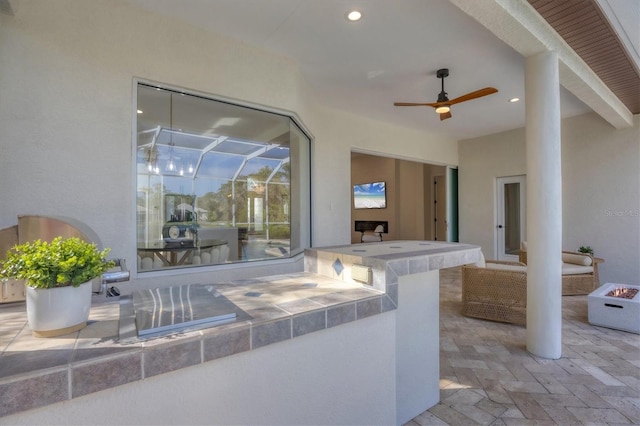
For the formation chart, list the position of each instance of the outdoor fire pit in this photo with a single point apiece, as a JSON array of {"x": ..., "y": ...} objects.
[{"x": 615, "y": 306}]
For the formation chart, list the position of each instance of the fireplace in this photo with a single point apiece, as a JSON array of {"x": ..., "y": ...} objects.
[{"x": 615, "y": 306}]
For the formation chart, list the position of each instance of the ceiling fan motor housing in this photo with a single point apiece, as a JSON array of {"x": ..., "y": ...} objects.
[{"x": 442, "y": 73}]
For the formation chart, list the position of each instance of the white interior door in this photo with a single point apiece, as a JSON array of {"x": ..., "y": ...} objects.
[{"x": 510, "y": 216}]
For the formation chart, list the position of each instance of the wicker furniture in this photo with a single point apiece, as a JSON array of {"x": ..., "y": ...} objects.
[
  {"x": 498, "y": 291},
  {"x": 576, "y": 284},
  {"x": 495, "y": 294}
]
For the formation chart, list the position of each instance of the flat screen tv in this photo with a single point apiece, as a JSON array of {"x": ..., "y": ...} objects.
[{"x": 370, "y": 196}]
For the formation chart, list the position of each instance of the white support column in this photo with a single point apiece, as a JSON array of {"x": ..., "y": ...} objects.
[{"x": 544, "y": 206}]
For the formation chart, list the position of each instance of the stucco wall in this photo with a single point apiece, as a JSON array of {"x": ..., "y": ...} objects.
[
  {"x": 601, "y": 190},
  {"x": 601, "y": 194},
  {"x": 482, "y": 160},
  {"x": 66, "y": 115}
]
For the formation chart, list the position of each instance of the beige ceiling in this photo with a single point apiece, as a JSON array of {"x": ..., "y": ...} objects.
[{"x": 392, "y": 54}]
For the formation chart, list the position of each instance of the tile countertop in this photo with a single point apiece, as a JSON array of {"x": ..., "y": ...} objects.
[
  {"x": 40, "y": 371},
  {"x": 35, "y": 372},
  {"x": 389, "y": 260}
]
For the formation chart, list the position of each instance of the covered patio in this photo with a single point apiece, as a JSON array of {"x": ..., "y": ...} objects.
[{"x": 488, "y": 377}]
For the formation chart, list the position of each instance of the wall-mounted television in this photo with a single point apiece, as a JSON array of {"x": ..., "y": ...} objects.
[{"x": 370, "y": 196}]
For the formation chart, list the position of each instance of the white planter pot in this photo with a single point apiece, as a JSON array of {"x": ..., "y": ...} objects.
[{"x": 57, "y": 311}]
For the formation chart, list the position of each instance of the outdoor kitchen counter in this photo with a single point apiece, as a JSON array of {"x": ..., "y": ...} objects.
[
  {"x": 282, "y": 307},
  {"x": 408, "y": 273},
  {"x": 36, "y": 372}
]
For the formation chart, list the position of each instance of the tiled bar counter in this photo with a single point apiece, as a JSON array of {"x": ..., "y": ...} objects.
[
  {"x": 408, "y": 273},
  {"x": 320, "y": 347}
]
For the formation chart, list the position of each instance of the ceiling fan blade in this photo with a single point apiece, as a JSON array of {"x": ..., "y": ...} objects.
[
  {"x": 445, "y": 115},
  {"x": 413, "y": 104},
  {"x": 474, "y": 95}
]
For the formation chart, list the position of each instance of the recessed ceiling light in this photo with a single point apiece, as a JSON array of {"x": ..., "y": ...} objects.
[
  {"x": 139, "y": 111},
  {"x": 512, "y": 100},
  {"x": 353, "y": 16}
]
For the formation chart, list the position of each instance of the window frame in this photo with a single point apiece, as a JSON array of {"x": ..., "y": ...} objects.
[{"x": 303, "y": 224}]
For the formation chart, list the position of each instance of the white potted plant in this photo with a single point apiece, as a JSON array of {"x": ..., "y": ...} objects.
[{"x": 58, "y": 276}]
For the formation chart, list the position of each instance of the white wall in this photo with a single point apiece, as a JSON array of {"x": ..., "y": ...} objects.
[
  {"x": 66, "y": 114},
  {"x": 481, "y": 161},
  {"x": 601, "y": 194},
  {"x": 601, "y": 190}
]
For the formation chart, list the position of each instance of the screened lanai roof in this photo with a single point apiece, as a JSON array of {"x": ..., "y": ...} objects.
[{"x": 175, "y": 152}]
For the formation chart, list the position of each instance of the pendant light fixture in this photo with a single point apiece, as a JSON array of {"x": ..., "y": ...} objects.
[{"x": 171, "y": 165}]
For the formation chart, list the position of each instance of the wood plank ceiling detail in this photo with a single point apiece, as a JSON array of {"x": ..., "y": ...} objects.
[{"x": 583, "y": 25}]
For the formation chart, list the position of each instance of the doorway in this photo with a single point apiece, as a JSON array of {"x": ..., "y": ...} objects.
[
  {"x": 410, "y": 190},
  {"x": 510, "y": 216}
]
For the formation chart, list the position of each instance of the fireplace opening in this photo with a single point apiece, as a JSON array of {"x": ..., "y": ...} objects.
[{"x": 623, "y": 292}]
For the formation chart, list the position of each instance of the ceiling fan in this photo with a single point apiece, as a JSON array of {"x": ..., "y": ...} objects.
[{"x": 443, "y": 105}]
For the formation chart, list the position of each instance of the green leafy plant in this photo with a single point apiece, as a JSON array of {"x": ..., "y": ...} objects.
[
  {"x": 59, "y": 263},
  {"x": 586, "y": 250}
]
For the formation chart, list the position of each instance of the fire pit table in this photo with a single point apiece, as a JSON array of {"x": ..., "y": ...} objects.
[{"x": 615, "y": 306}]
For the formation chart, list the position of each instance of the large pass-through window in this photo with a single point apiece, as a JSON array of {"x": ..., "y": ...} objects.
[{"x": 217, "y": 182}]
